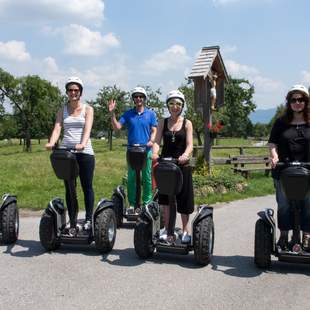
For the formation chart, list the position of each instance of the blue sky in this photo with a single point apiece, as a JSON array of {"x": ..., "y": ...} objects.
[{"x": 155, "y": 42}]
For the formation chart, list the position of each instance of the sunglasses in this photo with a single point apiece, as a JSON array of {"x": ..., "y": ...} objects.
[
  {"x": 72, "y": 90},
  {"x": 138, "y": 96},
  {"x": 294, "y": 100},
  {"x": 177, "y": 103}
]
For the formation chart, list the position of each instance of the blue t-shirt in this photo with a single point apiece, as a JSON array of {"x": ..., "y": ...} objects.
[{"x": 139, "y": 125}]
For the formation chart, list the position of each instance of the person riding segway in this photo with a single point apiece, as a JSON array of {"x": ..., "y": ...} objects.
[
  {"x": 141, "y": 124},
  {"x": 76, "y": 158},
  {"x": 174, "y": 182},
  {"x": 289, "y": 144}
]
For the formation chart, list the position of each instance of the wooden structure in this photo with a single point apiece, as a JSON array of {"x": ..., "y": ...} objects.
[
  {"x": 246, "y": 164},
  {"x": 208, "y": 63}
]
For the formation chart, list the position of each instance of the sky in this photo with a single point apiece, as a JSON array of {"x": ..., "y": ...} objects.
[{"x": 155, "y": 42}]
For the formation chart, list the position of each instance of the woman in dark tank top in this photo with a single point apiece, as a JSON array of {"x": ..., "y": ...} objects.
[{"x": 177, "y": 135}]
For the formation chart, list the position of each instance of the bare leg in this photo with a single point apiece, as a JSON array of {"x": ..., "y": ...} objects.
[{"x": 185, "y": 220}]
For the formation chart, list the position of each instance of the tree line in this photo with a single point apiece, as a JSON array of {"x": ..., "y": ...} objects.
[{"x": 35, "y": 102}]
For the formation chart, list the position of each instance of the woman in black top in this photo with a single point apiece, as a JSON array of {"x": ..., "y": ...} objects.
[
  {"x": 290, "y": 141},
  {"x": 177, "y": 134}
]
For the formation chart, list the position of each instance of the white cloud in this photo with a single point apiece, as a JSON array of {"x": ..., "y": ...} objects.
[
  {"x": 54, "y": 10},
  {"x": 50, "y": 64},
  {"x": 305, "y": 77},
  {"x": 267, "y": 91},
  {"x": 89, "y": 43},
  {"x": 14, "y": 50},
  {"x": 170, "y": 59}
]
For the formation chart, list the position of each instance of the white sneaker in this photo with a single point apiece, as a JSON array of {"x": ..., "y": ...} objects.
[
  {"x": 131, "y": 210},
  {"x": 163, "y": 234},
  {"x": 87, "y": 225},
  {"x": 186, "y": 238}
]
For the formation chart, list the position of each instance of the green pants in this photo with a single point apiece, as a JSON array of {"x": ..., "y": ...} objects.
[{"x": 146, "y": 182}]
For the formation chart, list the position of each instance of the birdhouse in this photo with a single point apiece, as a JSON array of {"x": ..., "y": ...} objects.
[{"x": 209, "y": 75}]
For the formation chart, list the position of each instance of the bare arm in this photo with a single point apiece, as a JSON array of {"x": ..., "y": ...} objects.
[
  {"x": 189, "y": 142},
  {"x": 89, "y": 119},
  {"x": 111, "y": 107},
  {"x": 152, "y": 137},
  {"x": 157, "y": 139},
  {"x": 274, "y": 157},
  {"x": 56, "y": 131}
]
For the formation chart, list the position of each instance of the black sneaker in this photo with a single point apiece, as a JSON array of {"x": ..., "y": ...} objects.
[{"x": 283, "y": 242}]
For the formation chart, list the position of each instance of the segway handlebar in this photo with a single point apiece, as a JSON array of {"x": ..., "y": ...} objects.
[
  {"x": 293, "y": 164},
  {"x": 168, "y": 160},
  {"x": 135, "y": 144},
  {"x": 63, "y": 148}
]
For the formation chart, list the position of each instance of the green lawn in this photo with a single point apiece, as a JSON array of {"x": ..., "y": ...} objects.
[{"x": 31, "y": 178}]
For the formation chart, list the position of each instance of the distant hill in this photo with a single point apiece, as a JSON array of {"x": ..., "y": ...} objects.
[{"x": 262, "y": 116}]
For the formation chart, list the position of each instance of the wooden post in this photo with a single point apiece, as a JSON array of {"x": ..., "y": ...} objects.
[{"x": 202, "y": 101}]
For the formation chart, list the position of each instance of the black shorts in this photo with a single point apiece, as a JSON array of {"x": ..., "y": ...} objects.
[{"x": 185, "y": 199}]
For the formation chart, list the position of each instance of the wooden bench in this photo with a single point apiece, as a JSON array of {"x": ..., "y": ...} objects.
[{"x": 245, "y": 164}]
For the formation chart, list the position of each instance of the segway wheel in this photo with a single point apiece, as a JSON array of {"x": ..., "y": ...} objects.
[
  {"x": 263, "y": 244},
  {"x": 118, "y": 209},
  {"x": 105, "y": 230},
  {"x": 47, "y": 233},
  {"x": 10, "y": 224},
  {"x": 204, "y": 241},
  {"x": 144, "y": 246}
]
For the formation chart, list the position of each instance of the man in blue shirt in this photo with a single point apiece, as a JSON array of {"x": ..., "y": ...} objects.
[{"x": 141, "y": 123}]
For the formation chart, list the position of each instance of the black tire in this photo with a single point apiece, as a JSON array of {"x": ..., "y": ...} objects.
[
  {"x": 118, "y": 209},
  {"x": 262, "y": 244},
  {"x": 144, "y": 246},
  {"x": 204, "y": 241},
  {"x": 105, "y": 230},
  {"x": 10, "y": 224},
  {"x": 47, "y": 232}
]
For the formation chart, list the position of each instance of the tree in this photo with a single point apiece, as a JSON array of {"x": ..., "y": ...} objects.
[
  {"x": 191, "y": 114},
  {"x": 102, "y": 120},
  {"x": 237, "y": 107},
  {"x": 279, "y": 112},
  {"x": 35, "y": 102},
  {"x": 8, "y": 127}
]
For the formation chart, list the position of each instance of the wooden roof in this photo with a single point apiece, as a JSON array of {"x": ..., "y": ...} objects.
[{"x": 209, "y": 58}]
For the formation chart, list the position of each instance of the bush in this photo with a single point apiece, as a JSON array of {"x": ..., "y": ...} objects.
[{"x": 221, "y": 180}]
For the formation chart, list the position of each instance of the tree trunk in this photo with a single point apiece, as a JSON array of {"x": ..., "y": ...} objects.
[
  {"x": 28, "y": 139},
  {"x": 110, "y": 132},
  {"x": 198, "y": 135}
]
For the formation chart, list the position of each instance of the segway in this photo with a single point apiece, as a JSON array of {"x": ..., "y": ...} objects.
[
  {"x": 53, "y": 227},
  {"x": 136, "y": 158},
  {"x": 9, "y": 219},
  {"x": 169, "y": 180},
  {"x": 295, "y": 182}
]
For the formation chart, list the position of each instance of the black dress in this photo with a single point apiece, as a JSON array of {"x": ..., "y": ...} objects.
[{"x": 174, "y": 145}]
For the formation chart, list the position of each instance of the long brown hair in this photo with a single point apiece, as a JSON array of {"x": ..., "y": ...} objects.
[{"x": 288, "y": 113}]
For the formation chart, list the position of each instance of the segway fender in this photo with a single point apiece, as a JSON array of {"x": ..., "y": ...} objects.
[
  {"x": 120, "y": 193},
  {"x": 7, "y": 200},
  {"x": 57, "y": 209},
  {"x": 267, "y": 217},
  {"x": 203, "y": 212},
  {"x": 102, "y": 205}
]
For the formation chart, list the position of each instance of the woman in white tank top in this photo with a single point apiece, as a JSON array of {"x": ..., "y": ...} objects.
[{"x": 77, "y": 119}]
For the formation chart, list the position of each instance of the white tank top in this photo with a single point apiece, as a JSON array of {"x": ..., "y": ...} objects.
[{"x": 73, "y": 130}]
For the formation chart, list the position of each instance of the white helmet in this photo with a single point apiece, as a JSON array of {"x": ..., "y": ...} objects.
[
  {"x": 138, "y": 90},
  {"x": 175, "y": 94},
  {"x": 298, "y": 88},
  {"x": 74, "y": 80}
]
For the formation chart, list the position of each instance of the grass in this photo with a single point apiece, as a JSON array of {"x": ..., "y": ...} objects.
[{"x": 31, "y": 178}]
